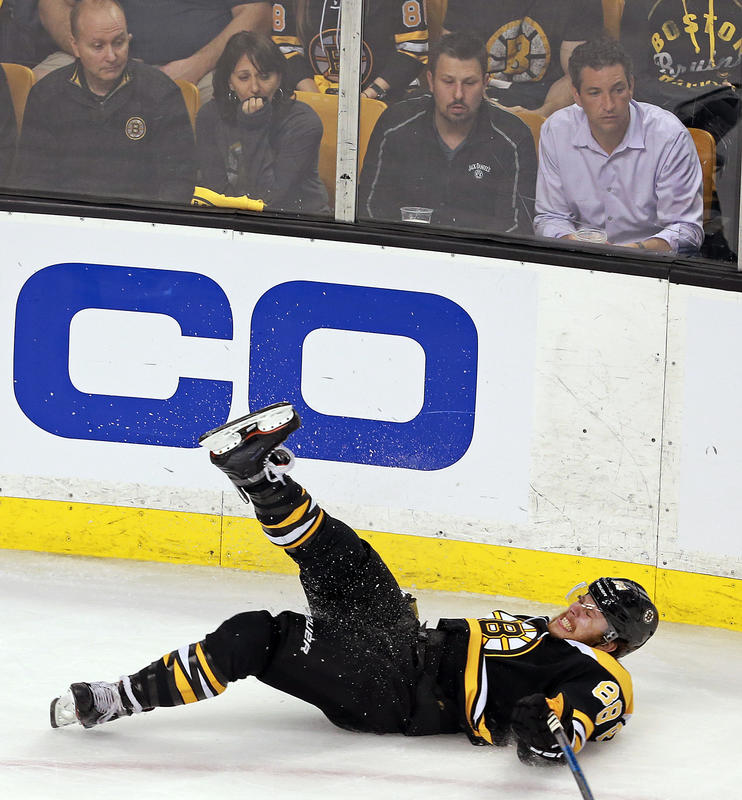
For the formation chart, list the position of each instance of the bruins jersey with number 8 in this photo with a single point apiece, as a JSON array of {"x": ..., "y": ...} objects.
[
  {"x": 524, "y": 40},
  {"x": 394, "y": 47},
  {"x": 508, "y": 657}
]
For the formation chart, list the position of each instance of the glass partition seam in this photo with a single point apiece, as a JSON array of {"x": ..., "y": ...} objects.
[{"x": 346, "y": 171}]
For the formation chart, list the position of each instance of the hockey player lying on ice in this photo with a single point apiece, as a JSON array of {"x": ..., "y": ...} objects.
[{"x": 362, "y": 657}]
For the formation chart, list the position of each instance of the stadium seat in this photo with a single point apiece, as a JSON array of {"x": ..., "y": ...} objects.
[
  {"x": 531, "y": 118},
  {"x": 612, "y": 13},
  {"x": 191, "y": 97},
  {"x": 20, "y": 81},
  {"x": 706, "y": 147},
  {"x": 326, "y": 106},
  {"x": 534, "y": 122}
]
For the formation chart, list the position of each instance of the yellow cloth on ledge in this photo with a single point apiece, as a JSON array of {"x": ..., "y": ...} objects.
[{"x": 206, "y": 197}]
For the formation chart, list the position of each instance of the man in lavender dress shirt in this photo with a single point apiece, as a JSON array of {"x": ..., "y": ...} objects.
[{"x": 629, "y": 169}]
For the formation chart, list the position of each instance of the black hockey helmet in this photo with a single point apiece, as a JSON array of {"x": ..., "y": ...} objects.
[{"x": 629, "y": 611}]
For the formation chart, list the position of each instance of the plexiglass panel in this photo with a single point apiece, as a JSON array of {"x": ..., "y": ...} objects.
[{"x": 614, "y": 124}]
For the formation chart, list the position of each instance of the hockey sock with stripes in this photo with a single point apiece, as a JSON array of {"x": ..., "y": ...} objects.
[
  {"x": 240, "y": 646},
  {"x": 286, "y": 511},
  {"x": 181, "y": 676}
]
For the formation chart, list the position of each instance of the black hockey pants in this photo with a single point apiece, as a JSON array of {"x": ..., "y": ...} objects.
[{"x": 358, "y": 656}]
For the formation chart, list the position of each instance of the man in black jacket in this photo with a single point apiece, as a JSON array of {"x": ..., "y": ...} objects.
[
  {"x": 471, "y": 162},
  {"x": 106, "y": 126}
]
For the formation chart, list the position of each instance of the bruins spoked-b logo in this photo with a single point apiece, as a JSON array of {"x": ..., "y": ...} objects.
[
  {"x": 324, "y": 54},
  {"x": 135, "y": 128},
  {"x": 519, "y": 51},
  {"x": 505, "y": 635}
]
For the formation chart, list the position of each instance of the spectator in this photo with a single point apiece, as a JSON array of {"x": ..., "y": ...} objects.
[
  {"x": 471, "y": 162},
  {"x": 394, "y": 47},
  {"x": 184, "y": 38},
  {"x": 686, "y": 55},
  {"x": 8, "y": 128},
  {"x": 253, "y": 138},
  {"x": 523, "y": 40},
  {"x": 106, "y": 126},
  {"x": 23, "y": 40},
  {"x": 609, "y": 163}
]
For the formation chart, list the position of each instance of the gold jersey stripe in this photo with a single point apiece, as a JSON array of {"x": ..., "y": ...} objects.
[
  {"x": 182, "y": 684},
  {"x": 216, "y": 685},
  {"x": 472, "y": 683},
  {"x": 412, "y": 36},
  {"x": 311, "y": 530},
  {"x": 293, "y": 517},
  {"x": 620, "y": 674}
]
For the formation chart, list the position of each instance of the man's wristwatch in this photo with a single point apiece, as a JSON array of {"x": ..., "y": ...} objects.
[{"x": 380, "y": 93}]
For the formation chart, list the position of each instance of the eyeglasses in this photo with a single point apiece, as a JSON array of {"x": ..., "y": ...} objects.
[{"x": 581, "y": 594}]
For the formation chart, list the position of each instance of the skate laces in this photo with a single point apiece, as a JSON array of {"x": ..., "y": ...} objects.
[
  {"x": 107, "y": 701},
  {"x": 279, "y": 462}
]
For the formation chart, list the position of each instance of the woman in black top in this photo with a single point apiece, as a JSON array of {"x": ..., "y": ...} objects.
[{"x": 255, "y": 139}]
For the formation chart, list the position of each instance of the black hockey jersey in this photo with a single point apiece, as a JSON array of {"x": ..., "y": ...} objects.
[
  {"x": 683, "y": 48},
  {"x": 497, "y": 660},
  {"x": 394, "y": 47}
]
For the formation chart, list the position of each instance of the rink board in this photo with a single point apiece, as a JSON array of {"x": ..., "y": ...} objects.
[{"x": 494, "y": 426}]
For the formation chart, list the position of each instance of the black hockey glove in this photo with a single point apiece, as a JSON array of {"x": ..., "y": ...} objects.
[{"x": 536, "y": 743}]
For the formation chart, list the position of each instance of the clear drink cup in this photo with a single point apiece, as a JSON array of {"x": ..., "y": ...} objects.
[
  {"x": 416, "y": 214},
  {"x": 594, "y": 235}
]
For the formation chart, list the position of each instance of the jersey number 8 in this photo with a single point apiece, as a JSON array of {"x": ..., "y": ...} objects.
[{"x": 411, "y": 14}]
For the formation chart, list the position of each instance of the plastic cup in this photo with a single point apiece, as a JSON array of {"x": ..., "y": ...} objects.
[
  {"x": 416, "y": 214},
  {"x": 594, "y": 235}
]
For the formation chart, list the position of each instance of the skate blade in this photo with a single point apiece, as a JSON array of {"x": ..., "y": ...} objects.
[
  {"x": 228, "y": 436},
  {"x": 62, "y": 711}
]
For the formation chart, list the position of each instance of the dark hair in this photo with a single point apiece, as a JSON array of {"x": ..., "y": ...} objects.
[
  {"x": 78, "y": 7},
  {"x": 262, "y": 51},
  {"x": 459, "y": 45},
  {"x": 599, "y": 53}
]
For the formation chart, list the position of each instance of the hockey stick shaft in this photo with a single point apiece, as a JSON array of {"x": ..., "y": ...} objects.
[{"x": 555, "y": 726}]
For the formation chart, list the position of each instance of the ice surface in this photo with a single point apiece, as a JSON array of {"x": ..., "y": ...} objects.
[{"x": 69, "y": 618}]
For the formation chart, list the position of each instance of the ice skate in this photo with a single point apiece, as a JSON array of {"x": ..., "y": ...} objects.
[
  {"x": 90, "y": 704},
  {"x": 248, "y": 448}
]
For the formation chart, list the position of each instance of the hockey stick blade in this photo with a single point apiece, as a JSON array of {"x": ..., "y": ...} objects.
[{"x": 555, "y": 726}]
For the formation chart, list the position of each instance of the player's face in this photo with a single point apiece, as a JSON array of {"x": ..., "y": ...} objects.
[
  {"x": 604, "y": 96},
  {"x": 457, "y": 87},
  {"x": 581, "y": 622},
  {"x": 102, "y": 45},
  {"x": 249, "y": 82}
]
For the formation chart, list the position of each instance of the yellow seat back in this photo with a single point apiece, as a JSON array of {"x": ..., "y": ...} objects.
[
  {"x": 191, "y": 97},
  {"x": 20, "y": 81},
  {"x": 706, "y": 148},
  {"x": 534, "y": 122},
  {"x": 326, "y": 106}
]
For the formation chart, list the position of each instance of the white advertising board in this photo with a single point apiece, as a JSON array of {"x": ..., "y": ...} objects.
[
  {"x": 525, "y": 403},
  {"x": 701, "y": 499}
]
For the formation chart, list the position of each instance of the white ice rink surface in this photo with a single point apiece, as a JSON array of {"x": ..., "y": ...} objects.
[{"x": 66, "y": 619}]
